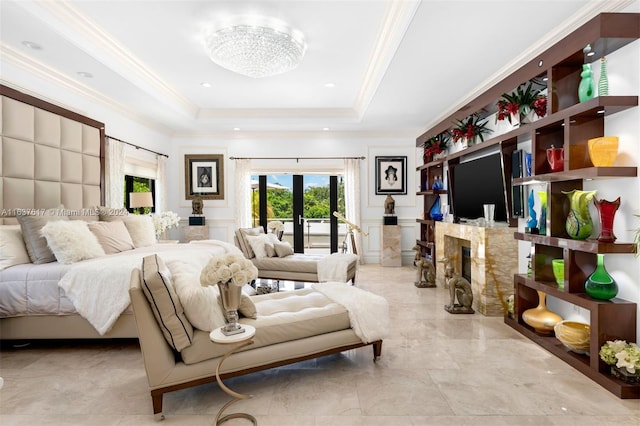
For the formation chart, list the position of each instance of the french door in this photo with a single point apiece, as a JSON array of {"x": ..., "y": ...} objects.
[{"x": 304, "y": 203}]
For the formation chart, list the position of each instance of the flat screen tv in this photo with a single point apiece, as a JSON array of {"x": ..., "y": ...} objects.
[{"x": 477, "y": 182}]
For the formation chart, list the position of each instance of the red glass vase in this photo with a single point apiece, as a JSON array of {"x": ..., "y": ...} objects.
[{"x": 607, "y": 211}]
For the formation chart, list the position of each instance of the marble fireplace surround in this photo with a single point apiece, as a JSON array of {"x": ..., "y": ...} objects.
[{"x": 494, "y": 261}]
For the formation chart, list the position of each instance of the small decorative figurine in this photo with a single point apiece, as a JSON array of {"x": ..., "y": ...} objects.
[
  {"x": 389, "y": 205},
  {"x": 196, "y": 206},
  {"x": 460, "y": 289}
]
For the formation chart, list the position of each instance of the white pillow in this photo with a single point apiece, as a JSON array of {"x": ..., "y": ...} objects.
[
  {"x": 258, "y": 243},
  {"x": 12, "y": 248},
  {"x": 71, "y": 241},
  {"x": 141, "y": 229},
  {"x": 201, "y": 304}
]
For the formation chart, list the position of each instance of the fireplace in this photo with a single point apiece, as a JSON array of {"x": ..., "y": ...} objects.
[{"x": 465, "y": 260}]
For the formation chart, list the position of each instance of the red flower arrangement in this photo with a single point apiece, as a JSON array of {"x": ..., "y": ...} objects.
[
  {"x": 521, "y": 102},
  {"x": 436, "y": 145},
  {"x": 470, "y": 128}
]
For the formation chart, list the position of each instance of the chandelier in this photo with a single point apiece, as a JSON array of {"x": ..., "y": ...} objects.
[{"x": 255, "y": 46}]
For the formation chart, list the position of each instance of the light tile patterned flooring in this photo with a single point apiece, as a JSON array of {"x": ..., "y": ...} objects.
[{"x": 436, "y": 369}]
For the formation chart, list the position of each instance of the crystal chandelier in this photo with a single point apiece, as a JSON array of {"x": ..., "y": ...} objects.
[{"x": 255, "y": 46}]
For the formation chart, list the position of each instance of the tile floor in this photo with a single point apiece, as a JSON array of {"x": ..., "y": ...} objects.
[{"x": 436, "y": 369}]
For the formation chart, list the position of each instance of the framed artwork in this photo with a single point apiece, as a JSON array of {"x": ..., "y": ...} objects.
[
  {"x": 391, "y": 175},
  {"x": 204, "y": 176}
]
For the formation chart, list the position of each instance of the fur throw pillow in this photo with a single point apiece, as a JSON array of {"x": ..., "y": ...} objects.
[{"x": 71, "y": 241}]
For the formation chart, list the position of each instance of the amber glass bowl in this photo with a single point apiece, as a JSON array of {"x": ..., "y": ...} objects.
[
  {"x": 603, "y": 151},
  {"x": 574, "y": 335}
]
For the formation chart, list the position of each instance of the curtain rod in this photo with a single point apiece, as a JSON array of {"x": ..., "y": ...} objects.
[
  {"x": 296, "y": 158},
  {"x": 136, "y": 146}
]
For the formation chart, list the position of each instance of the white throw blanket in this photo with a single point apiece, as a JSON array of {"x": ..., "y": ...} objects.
[
  {"x": 99, "y": 288},
  {"x": 368, "y": 312},
  {"x": 335, "y": 266}
]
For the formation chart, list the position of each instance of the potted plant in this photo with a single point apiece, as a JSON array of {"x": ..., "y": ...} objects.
[
  {"x": 624, "y": 359},
  {"x": 470, "y": 128},
  {"x": 436, "y": 145},
  {"x": 517, "y": 105}
]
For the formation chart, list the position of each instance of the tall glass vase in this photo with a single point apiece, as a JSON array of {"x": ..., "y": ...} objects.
[
  {"x": 542, "y": 224},
  {"x": 586, "y": 87},
  {"x": 607, "y": 211},
  {"x": 603, "y": 82},
  {"x": 600, "y": 285},
  {"x": 540, "y": 318}
]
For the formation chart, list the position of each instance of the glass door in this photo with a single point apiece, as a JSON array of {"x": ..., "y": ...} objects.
[{"x": 304, "y": 203}]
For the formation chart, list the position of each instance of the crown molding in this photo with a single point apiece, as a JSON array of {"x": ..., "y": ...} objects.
[
  {"x": 395, "y": 24},
  {"x": 297, "y": 135},
  {"x": 68, "y": 21},
  {"x": 57, "y": 79}
]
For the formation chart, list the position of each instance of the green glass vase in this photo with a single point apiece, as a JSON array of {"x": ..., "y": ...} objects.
[
  {"x": 600, "y": 285},
  {"x": 586, "y": 88}
]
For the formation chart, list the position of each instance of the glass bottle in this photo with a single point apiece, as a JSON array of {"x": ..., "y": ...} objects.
[
  {"x": 586, "y": 89},
  {"x": 600, "y": 285}
]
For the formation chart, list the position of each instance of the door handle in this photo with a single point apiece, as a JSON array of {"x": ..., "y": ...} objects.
[{"x": 300, "y": 220}]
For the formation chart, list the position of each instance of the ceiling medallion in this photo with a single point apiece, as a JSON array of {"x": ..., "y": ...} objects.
[{"x": 255, "y": 46}]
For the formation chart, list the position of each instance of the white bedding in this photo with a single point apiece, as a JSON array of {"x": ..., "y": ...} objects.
[{"x": 96, "y": 288}]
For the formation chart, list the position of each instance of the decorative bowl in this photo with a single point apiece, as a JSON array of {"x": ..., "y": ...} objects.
[
  {"x": 558, "y": 271},
  {"x": 603, "y": 151},
  {"x": 576, "y": 336}
]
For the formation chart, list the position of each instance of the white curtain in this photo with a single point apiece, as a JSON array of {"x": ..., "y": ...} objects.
[
  {"x": 243, "y": 193},
  {"x": 114, "y": 174},
  {"x": 352, "y": 198},
  {"x": 161, "y": 184}
]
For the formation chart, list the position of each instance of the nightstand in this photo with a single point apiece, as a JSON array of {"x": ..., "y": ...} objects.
[{"x": 192, "y": 233}]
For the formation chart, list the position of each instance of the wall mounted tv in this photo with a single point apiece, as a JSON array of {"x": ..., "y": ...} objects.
[{"x": 477, "y": 182}]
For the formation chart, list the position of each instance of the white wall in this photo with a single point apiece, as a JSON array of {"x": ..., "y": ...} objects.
[{"x": 220, "y": 213}]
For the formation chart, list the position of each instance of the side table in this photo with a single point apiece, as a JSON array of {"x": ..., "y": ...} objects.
[{"x": 243, "y": 339}]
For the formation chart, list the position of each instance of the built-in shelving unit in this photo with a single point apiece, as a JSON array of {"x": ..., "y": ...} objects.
[
  {"x": 429, "y": 172},
  {"x": 569, "y": 123}
]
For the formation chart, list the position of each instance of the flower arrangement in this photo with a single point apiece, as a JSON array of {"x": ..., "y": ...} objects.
[
  {"x": 622, "y": 355},
  {"x": 231, "y": 268},
  {"x": 521, "y": 102},
  {"x": 275, "y": 226},
  {"x": 163, "y": 221},
  {"x": 471, "y": 128},
  {"x": 436, "y": 145}
]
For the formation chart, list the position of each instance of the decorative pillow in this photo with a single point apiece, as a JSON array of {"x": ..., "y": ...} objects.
[
  {"x": 112, "y": 236},
  {"x": 271, "y": 251},
  {"x": 247, "y": 308},
  {"x": 242, "y": 234},
  {"x": 12, "y": 249},
  {"x": 141, "y": 230},
  {"x": 35, "y": 242},
  {"x": 71, "y": 241},
  {"x": 164, "y": 302},
  {"x": 258, "y": 244},
  {"x": 283, "y": 249}
]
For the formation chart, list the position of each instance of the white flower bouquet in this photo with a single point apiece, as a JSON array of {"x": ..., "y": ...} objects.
[
  {"x": 275, "y": 226},
  {"x": 163, "y": 221},
  {"x": 622, "y": 355},
  {"x": 231, "y": 268}
]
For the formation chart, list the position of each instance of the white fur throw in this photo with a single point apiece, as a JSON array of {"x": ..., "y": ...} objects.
[
  {"x": 368, "y": 312},
  {"x": 71, "y": 241},
  {"x": 335, "y": 266}
]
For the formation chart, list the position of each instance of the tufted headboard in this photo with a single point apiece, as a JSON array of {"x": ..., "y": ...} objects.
[{"x": 49, "y": 156}]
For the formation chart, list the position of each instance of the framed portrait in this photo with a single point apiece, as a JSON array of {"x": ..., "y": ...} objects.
[
  {"x": 391, "y": 175},
  {"x": 204, "y": 176}
]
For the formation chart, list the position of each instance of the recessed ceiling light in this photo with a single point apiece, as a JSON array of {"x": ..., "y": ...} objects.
[
  {"x": 205, "y": 84},
  {"x": 545, "y": 78},
  {"x": 602, "y": 111},
  {"x": 85, "y": 74},
  {"x": 330, "y": 85},
  {"x": 325, "y": 128},
  {"x": 235, "y": 129},
  {"x": 540, "y": 62},
  {"x": 591, "y": 53},
  {"x": 32, "y": 45}
]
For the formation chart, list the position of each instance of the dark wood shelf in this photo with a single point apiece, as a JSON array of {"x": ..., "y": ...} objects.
[
  {"x": 425, "y": 244},
  {"x": 434, "y": 163},
  {"x": 432, "y": 192},
  {"x": 579, "y": 174},
  {"x": 426, "y": 221},
  {"x": 579, "y": 362},
  {"x": 587, "y": 246}
]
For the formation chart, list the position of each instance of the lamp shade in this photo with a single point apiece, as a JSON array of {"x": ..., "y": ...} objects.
[{"x": 140, "y": 199}]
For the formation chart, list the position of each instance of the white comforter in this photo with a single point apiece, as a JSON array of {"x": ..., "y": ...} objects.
[{"x": 99, "y": 288}]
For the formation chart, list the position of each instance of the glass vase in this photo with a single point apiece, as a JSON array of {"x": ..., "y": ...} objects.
[
  {"x": 230, "y": 296},
  {"x": 542, "y": 224},
  {"x": 579, "y": 224},
  {"x": 607, "y": 211},
  {"x": 603, "y": 82},
  {"x": 586, "y": 88},
  {"x": 600, "y": 285},
  {"x": 540, "y": 318}
]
